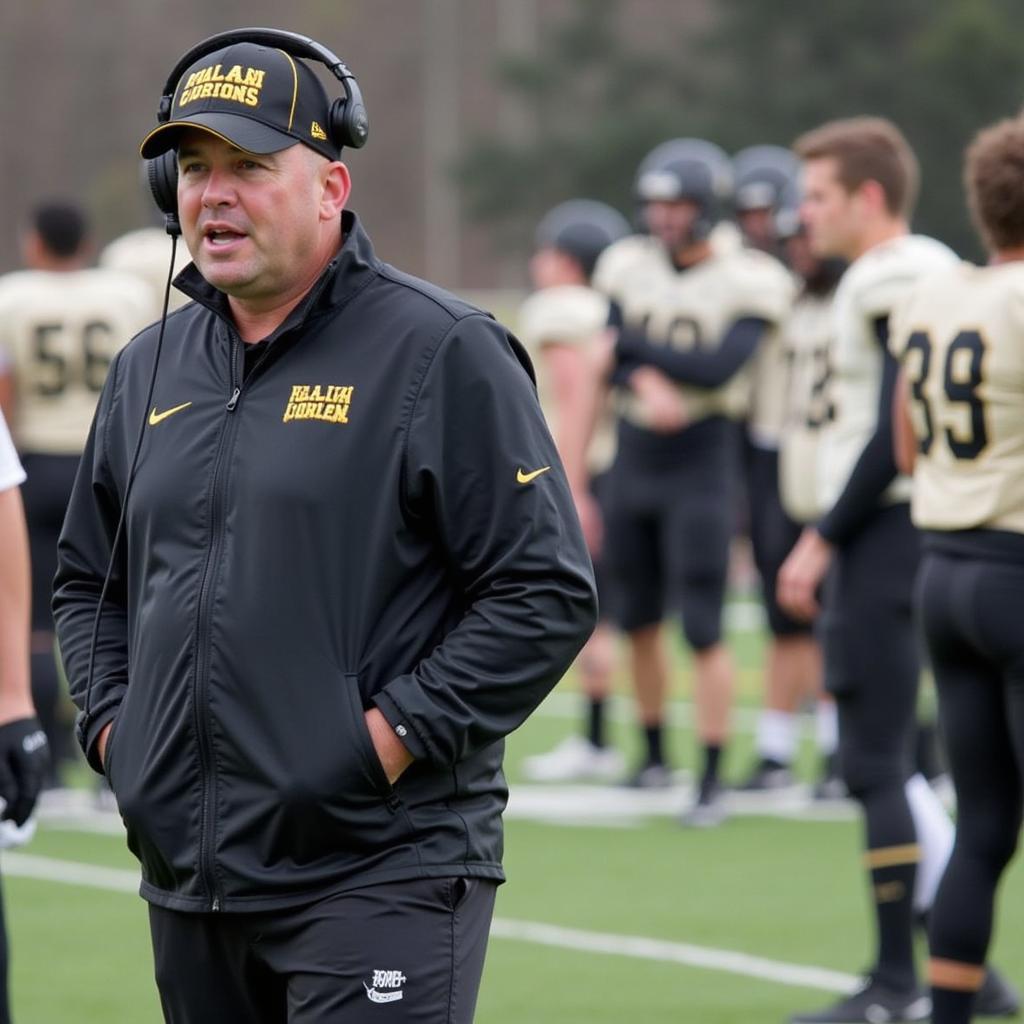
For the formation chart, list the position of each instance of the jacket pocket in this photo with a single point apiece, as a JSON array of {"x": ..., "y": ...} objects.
[
  {"x": 329, "y": 801},
  {"x": 371, "y": 759},
  {"x": 108, "y": 750}
]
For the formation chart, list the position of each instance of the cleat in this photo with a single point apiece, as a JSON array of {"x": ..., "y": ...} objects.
[
  {"x": 651, "y": 776},
  {"x": 769, "y": 775},
  {"x": 575, "y": 759},
  {"x": 873, "y": 1003},
  {"x": 996, "y": 997},
  {"x": 708, "y": 811}
]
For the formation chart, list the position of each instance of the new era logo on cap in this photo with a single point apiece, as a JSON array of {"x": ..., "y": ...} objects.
[{"x": 258, "y": 98}]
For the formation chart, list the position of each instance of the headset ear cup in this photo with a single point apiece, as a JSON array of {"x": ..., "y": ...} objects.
[
  {"x": 162, "y": 174},
  {"x": 349, "y": 123}
]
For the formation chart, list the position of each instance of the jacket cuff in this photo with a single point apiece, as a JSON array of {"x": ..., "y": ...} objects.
[
  {"x": 401, "y": 725},
  {"x": 89, "y": 732}
]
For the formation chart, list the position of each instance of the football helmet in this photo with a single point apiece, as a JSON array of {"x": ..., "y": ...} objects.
[
  {"x": 687, "y": 169},
  {"x": 583, "y": 228}
]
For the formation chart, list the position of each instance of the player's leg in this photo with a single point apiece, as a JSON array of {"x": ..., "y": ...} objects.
[
  {"x": 46, "y": 492},
  {"x": 872, "y": 668},
  {"x": 792, "y": 672},
  {"x": 699, "y": 530},
  {"x": 588, "y": 755},
  {"x": 969, "y": 611},
  {"x": 633, "y": 558}
]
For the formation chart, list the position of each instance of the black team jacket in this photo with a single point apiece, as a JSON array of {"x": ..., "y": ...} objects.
[{"x": 374, "y": 514}]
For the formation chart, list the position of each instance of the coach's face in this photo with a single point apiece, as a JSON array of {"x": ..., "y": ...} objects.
[
  {"x": 257, "y": 224},
  {"x": 831, "y": 213}
]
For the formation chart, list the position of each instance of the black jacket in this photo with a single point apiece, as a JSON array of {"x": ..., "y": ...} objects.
[{"x": 346, "y": 526}]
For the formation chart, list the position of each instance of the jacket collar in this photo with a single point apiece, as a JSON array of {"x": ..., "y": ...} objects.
[{"x": 354, "y": 266}]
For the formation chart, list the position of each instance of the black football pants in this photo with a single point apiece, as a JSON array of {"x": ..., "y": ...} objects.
[
  {"x": 408, "y": 952},
  {"x": 971, "y": 611}
]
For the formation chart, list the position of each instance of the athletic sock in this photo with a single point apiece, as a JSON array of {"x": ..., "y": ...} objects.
[
  {"x": 652, "y": 736},
  {"x": 935, "y": 836},
  {"x": 712, "y": 756},
  {"x": 596, "y": 721},
  {"x": 826, "y": 727},
  {"x": 776, "y": 736},
  {"x": 893, "y": 890},
  {"x": 950, "y": 1006}
]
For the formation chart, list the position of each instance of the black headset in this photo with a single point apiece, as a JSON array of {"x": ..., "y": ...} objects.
[{"x": 347, "y": 123}]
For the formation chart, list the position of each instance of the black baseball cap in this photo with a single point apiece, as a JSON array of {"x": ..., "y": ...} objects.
[{"x": 258, "y": 98}]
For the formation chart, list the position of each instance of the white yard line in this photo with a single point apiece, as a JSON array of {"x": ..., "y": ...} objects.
[{"x": 637, "y": 947}]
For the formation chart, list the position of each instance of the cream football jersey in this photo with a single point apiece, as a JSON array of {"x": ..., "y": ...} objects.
[
  {"x": 567, "y": 315},
  {"x": 147, "y": 254},
  {"x": 960, "y": 337},
  {"x": 805, "y": 341},
  {"x": 60, "y": 331},
  {"x": 871, "y": 288},
  {"x": 692, "y": 309}
]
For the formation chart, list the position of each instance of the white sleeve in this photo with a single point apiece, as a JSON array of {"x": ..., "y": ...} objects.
[{"x": 11, "y": 473}]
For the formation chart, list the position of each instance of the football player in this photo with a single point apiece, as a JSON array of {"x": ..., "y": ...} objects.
[
  {"x": 693, "y": 316},
  {"x": 766, "y": 179},
  {"x": 60, "y": 326},
  {"x": 564, "y": 323},
  {"x": 805, "y": 342},
  {"x": 146, "y": 252},
  {"x": 961, "y": 341},
  {"x": 860, "y": 183}
]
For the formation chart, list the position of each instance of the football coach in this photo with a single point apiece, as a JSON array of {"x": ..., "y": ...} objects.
[{"x": 350, "y": 565}]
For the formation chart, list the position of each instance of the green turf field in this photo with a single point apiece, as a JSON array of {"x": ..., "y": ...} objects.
[{"x": 733, "y": 918}]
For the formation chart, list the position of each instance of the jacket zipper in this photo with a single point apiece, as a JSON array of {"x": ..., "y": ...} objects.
[{"x": 200, "y": 695}]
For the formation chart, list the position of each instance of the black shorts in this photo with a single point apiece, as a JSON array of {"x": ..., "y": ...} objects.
[
  {"x": 400, "y": 952},
  {"x": 670, "y": 509},
  {"x": 772, "y": 533},
  {"x": 872, "y": 648},
  {"x": 46, "y": 492},
  {"x": 599, "y": 491}
]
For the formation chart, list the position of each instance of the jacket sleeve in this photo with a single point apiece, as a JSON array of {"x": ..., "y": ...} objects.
[
  {"x": 83, "y": 553},
  {"x": 483, "y": 476}
]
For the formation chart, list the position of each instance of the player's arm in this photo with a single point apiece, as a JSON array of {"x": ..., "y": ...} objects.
[
  {"x": 23, "y": 750},
  {"x": 699, "y": 367},
  {"x": 83, "y": 554},
  {"x": 904, "y": 439},
  {"x": 578, "y": 394},
  {"x": 875, "y": 468},
  {"x": 482, "y": 476}
]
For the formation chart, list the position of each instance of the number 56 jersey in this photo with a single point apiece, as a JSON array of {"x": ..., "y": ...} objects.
[
  {"x": 960, "y": 337},
  {"x": 59, "y": 332}
]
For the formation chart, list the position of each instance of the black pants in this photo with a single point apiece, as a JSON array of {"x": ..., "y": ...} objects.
[
  {"x": 403, "y": 952},
  {"x": 972, "y": 616}
]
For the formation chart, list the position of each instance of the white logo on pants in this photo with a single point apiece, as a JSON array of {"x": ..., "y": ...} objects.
[{"x": 393, "y": 980}]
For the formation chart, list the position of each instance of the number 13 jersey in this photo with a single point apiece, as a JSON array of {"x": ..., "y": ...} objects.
[
  {"x": 871, "y": 289},
  {"x": 960, "y": 337},
  {"x": 59, "y": 332}
]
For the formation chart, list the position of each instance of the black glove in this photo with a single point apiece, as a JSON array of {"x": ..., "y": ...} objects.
[{"x": 24, "y": 759}]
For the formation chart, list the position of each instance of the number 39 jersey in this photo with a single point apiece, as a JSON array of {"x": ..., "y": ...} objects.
[
  {"x": 960, "y": 337},
  {"x": 871, "y": 289},
  {"x": 693, "y": 308},
  {"x": 59, "y": 332}
]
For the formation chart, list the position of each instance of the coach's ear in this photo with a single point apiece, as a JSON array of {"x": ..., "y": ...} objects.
[{"x": 336, "y": 185}]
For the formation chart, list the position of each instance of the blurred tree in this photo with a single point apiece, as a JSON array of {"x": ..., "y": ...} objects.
[
  {"x": 595, "y": 107},
  {"x": 941, "y": 69}
]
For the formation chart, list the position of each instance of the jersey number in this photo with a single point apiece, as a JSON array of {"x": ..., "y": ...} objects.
[
  {"x": 960, "y": 387},
  {"x": 55, "y": 373}
]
